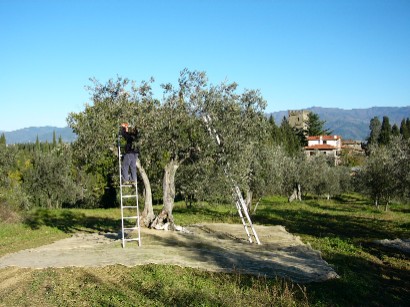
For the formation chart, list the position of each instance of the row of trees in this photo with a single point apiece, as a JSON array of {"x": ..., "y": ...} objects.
[
  {"x": 180, "y": 159},
  {"x": 44, "y": 175},
  {"x": 383, "y": 132},
  {"x": 177, "y": 150},
  {"x": 385, "y": 174}
]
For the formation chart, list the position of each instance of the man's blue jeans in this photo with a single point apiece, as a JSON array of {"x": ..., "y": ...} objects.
[{"x": 129, "y": 162}]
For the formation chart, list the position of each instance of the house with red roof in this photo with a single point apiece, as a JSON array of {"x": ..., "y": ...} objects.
[{"x": 329, "y": 145}]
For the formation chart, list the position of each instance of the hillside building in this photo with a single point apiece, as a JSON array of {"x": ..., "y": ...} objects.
[
  {"x": 298, "y": 119},
  {"x": 352, "y": 146},
  {"x": 329, "y": 145}
]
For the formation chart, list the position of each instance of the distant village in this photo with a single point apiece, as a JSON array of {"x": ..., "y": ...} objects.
[{"x": 329, "y": 145}]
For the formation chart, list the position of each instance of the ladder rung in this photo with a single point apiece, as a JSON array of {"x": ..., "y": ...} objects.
[
  {"x": 130, "y": 228},
  {"x": 132, "y": 239},
  {"x": 129, "y": 196},
  {"x": 132, "y": 206}
]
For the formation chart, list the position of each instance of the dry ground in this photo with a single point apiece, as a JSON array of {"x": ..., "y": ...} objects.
[{"x": 213, "y": 247}]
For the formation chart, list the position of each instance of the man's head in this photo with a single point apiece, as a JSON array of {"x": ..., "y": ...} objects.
[{"x": 125, "y": 126}]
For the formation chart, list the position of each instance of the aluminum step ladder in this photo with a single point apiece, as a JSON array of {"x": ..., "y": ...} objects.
[
  {"x": 237, "y": 194},
  {"x": 129, "y": 206}
]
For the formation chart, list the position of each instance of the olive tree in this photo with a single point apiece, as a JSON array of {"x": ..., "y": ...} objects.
[
  {"x": 97, "y": 130},
  {"x": 378, "y": 176},
  {"x": 239, "y": 122},
  {"x": 399, "y": 152},
  {"x": 49, "y": 180},
  {"x": 7, "y": 161},
  {"x": 177, "y": 135}
]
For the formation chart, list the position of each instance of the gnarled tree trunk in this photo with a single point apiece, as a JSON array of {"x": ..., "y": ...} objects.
[
  {"x": 168, "y": 185},
  {"x": 147, "y": 215},
  {"x": 248, "y": 200},
  {"x": 297, "y": 193}
]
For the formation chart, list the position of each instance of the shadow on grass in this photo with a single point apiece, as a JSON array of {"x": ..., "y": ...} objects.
[
  {"x": 70, "y": 222},
  {"x": 218, "y": 250},
  {"x": 362, "y": 283},
  {"x": 341, "y": 207},
  {"x": 366, "y": 278},
  {"x": 302, "y": 221},
  {"x": 402, "y": 209},
  {"x": 211, "y": 213}
]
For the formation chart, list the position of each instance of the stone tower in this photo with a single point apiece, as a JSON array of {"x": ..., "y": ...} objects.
[{"x": 298, "y": 119}]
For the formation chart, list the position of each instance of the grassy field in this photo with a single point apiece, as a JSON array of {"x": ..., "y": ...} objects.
[{"x": 344, "y": 230}]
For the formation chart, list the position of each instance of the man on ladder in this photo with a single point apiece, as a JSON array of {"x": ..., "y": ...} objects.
[
  {"x": 129, "y": 212},
  {"x": 130, "y": 156}
]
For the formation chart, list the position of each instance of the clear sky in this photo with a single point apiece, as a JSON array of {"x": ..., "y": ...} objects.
[{"x": 298, "y": 53}]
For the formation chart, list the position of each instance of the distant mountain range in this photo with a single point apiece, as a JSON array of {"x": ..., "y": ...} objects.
[
  {"x": 352, "y": 124},
  {"x": 349, "y": 124},
  {"x": 29, "y": 135}
]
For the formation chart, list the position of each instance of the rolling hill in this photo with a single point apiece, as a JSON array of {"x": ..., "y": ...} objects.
[
  {"x": 352, "y": 124},
  {"x": 29, "y": 135}
]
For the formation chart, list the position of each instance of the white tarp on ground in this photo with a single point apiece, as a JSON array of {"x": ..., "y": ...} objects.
[
  {"x": 213, "y": 247},
  {"x": 401, "y": 244}
]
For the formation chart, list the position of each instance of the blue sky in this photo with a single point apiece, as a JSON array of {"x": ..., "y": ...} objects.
[{"x": 345, "y": 54}]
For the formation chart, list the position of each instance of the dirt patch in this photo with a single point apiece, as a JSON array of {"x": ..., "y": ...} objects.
[{"x": 213, "y": 247}]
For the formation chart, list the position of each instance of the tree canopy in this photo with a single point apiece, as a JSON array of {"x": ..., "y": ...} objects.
[{"x": 316, "y": 126}]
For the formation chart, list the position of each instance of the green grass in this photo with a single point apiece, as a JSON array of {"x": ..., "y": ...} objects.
[
  {"x": 344, "y": 231},
  {"x": 43, "y": 226},
  {"x": 15, "y": 237},
  {"x": 149, "y": 285}
]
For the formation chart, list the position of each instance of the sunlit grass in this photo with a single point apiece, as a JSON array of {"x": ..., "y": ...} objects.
[
  {"x": 343, "y": 230},
  {"x": 149, "y": 285}
]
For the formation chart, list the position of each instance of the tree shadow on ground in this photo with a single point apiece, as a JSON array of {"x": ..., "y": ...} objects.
[
  {"x": 365, "y": 280},
  {"x": 233, "y": 255},
  {"x": 211, "y": 213},
  {"x": 151, "y": 292},
  {"x": 341, "y": 207},
  {"x": 303, "y": 221},
  {"x": 70, "y": 222},
  {"x": 362, "y": 283}
]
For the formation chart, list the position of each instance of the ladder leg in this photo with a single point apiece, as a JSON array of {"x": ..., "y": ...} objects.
[
  {"x": 121, "y": 193},
  {"x": 135, "y": 207},
  {"x": 240, "y": 203},
  {"x": 242, "y": 207},
  {"x": 138, "y": 212},
  {"x": 238, "y": 207},
  {"x": 250, "y": 223}
]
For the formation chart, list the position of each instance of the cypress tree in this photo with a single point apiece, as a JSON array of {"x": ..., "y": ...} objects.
[
  {"x": 274, "y": 130},
  {"x": 385, "y": 132},
  {"x": 37, "y": 143},
  {"x": 403, "y": 129},
  {"x": 289, "y": 138},
  {"x": 395, "y": 131},
  {"x": 54, "y": 139},
  {"x": 2, "y": 140},
  {"x": 408, "y": 126},
  {"x": 375, "y": 127}
]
